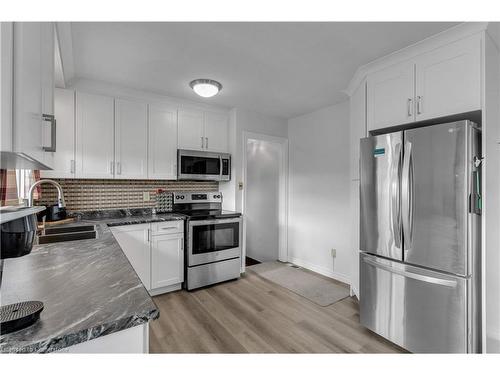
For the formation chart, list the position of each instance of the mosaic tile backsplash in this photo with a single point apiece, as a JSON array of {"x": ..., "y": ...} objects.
[{"x": 89, "y": 195}]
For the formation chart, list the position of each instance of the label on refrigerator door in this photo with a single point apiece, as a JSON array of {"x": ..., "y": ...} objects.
[{"x": 378, "y": 152}]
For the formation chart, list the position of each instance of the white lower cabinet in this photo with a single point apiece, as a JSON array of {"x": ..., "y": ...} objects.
[
  {"x": 167, "y": 260},
  {"x": 134, "y": 241},
  {"x": 157, "y": 258}
]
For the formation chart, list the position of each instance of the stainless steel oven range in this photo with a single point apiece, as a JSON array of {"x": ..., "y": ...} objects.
[{"x": 213, "y": 239}]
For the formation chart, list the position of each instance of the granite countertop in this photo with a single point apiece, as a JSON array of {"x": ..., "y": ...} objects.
[{"x": 88, "y": 287}]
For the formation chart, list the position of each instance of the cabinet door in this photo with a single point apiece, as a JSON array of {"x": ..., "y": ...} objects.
[
  {"x": 134, "y": 241},
  {"x": 47, "y": 86},
  {"x": 27, "y": 130},
  {"x": 131, "y": 139},
  {"x": 216, "y": 131},
  {"x": 94, "y": 136},
  {"x": 390, "y": 95},
  {"x": 448, "y": 79},
  {"x": 190, "y": 130},
  {"x": 63, "y": 160},
  {"x": 167, "y": 260},
  {"x": 162, "y": 160}
]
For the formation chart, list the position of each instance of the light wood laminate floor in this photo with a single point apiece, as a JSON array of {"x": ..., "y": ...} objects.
[{"x": 253, "y": 315}]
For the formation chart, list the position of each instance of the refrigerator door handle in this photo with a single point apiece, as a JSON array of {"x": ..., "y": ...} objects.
[
  {"x": 407, "y": 196},
  {"x": 396, "y": 196},
  {"x": 411, "y": 275}
]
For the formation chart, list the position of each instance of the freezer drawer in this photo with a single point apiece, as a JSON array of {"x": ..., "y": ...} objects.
[{"x": 420, "y": 310}]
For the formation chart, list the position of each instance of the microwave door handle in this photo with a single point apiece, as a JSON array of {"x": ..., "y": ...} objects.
[{"x": 220, "y": 167}]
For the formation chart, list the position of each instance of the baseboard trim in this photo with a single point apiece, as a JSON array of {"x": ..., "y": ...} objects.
[{"x": 321, "y": 270}]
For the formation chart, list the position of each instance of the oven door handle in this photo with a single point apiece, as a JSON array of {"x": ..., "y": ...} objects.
[{"x": 193, "y": 223}]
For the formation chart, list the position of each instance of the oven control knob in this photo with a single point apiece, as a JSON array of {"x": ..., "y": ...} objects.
[
  {"x": 176, "y": 197},
  {"x": 215, "y": 196},
  {"x": 182, "y": 196},
  {"x": 218, "y": 196}
]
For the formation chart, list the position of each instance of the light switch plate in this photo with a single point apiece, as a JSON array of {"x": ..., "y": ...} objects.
[{"x": 145, "y": 196}]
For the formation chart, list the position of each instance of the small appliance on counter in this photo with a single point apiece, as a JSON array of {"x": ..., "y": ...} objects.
[
  {"x": 18, "y": 231},
  {"x": 213, "y": 239}
]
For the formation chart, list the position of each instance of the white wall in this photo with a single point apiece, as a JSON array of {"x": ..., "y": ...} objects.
[
  {"x": 242, "y": 120},
  {"x": 319, "y": 182}
]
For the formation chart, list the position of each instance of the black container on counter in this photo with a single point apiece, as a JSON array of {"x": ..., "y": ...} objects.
[
  {"x": 53, "y": 213},
  {"x": 17, "y": 236}
]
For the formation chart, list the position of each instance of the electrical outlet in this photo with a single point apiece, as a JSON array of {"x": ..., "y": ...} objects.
[
  {"x": 145, "y": 196},
  {"x": 333, "y": 252}
]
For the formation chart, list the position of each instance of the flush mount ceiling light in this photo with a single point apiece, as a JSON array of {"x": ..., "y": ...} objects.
[{"x": 205, "y": 87}]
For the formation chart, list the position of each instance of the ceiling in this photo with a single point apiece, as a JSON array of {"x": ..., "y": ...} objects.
[{"x": 279, "y": 69}]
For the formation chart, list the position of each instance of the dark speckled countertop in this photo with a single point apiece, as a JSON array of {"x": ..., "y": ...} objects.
[{"x": 88, "y": 287}]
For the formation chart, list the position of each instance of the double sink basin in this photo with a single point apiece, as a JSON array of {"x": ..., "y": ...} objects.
[{"x": 69, "y": 233}]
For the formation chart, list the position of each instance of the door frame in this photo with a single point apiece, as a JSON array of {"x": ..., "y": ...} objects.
[{"x": 283, "y": 191}]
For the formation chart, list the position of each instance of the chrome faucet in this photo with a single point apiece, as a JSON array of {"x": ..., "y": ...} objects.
[{"x": 60, "y": 195}]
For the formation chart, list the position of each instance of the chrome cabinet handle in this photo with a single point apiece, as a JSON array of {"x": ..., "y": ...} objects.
[
  {"x": 53, "y": 136},
  {"x": 395, "y": 189},
  {"x": 411, "y": 275},
  {"x": 201, "y": 142},
  {"x": 419, "y": 105},
  {"x": 72, "y": 166},
  {"x": 112, "y": 167},
  {"x": 409, "y": 107},
  {"x": 206, "y": 142}
]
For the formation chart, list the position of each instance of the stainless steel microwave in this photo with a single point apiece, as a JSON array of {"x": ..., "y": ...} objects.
[{"x": 203, "y": 165}]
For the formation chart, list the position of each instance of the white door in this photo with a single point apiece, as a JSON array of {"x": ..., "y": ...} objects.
[
  {"x": 167, "y": 260},
  {"x": 162, "y": 154},
  {"x": 94, "y": 136},
  {"x": 134, "y": 241},
  {"x": 448, "y": 80},
  {"x": 390, "y": 95},
  {"x": 216, "y": 132},
  {"x": 27, "y": 130},
  {"x": 131, "y": 139},
  {"x": 263, "y": 161},
  {"x": 190, "y": 130},
  {"x": 63, "y": 160}
]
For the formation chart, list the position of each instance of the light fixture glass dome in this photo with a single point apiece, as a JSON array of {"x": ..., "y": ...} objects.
[{"x": 205, "y": 87}]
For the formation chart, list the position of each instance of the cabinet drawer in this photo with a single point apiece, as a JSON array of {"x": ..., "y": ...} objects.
[{"x": 166, "y": 227}]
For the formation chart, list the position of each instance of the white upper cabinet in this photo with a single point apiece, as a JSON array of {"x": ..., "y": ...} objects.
[
  {"x": 190, "y": 129},
  {"x": 131, "y": 139},
  {"x": 167, "y": 260},
  {"x": 448, "y": 79},
  {"x": 204, "y": 131},
  {"x": 27, "y": 131},
  {"x": 33, "y": 102},
  {"x": 442, "y": 82},
  {"x": 162, "y": 154},
  {"x": 94, "y": 136},
  {"x": 63, "y": 160},
  {"x": 216, "y": 132},
  {"x": 390, "y": 95}
]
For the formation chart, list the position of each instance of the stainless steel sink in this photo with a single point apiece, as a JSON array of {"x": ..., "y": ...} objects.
[{"x": 70, "y": 233}]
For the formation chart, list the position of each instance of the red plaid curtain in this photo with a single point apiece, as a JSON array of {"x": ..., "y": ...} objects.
[
  {"x": 15, "y": 184},
  {"x": 8, "y": 188}
]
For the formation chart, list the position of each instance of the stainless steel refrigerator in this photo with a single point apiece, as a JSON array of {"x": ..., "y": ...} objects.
[{"x": 420, "y": 237}]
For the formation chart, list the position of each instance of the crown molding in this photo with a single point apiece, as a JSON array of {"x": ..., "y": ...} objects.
[{"x": 435, "y": 41}]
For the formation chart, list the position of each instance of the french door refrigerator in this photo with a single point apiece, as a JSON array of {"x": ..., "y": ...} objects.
[{"x": 420, "y": 237}]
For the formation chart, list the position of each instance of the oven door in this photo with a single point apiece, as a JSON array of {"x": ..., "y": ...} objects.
[
  {"x": 202, "y": 165},
  {"x": 213, "y": 240}
]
